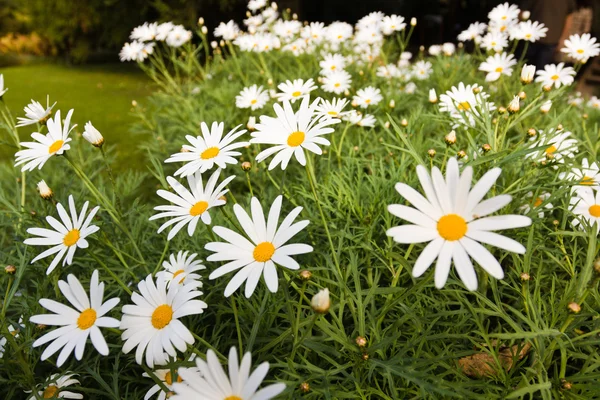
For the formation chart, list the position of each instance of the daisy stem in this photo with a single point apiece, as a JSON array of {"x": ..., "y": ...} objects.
[
  {"x": 339, "y": 149},
  {"x": 249, "y": 184},
  {"x": 524, "y": 52},
  {"x": 111, "y": 177},
  {"x": 308, "y": 329},
  {"x": 236, "y": 61},
  {"x": 310, "y": 172},
  {"x": 162, "y": 256},
  {"x": 111, "y": 273},
  {"x": 237, "y": 322}
]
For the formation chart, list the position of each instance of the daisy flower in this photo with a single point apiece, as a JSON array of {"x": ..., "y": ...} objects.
[
  {"x": 332, "y": 62},
  {"x": 494, "y": 41},
  {"x": 227, "y": 31},
  {"x": 259, "y": 255},
  {"x": 68, "y": 234},
  {"x": 454, "y": 220},
  {"x": 581, "y": 47},
  {"x": 190, "y": 206},
  {"x": 466, "y": 104},
  {"x": 331, "y": 109},
  {"x": 178, "y": 36},
  {"x": 166, "y": 378},
  {"x": 181, "y": 268},
  {"x": 336, "y": 82},
  {"x": 55, "y": 142},
  {"x": 133, "y": 51},
  {"x": 208, "y": 381},
  {"x": 208, "y": 150},
  {"x": 593, "y": 102},
  {"x": 163, "y": 30},
  {"x": 144, "y": 32},
  {"x": 313, "y": 33},
  {"x": 448, "y": 49},
  {"x": 53, "y": 389},
  {"x": 556, "y": 75},
  {"x": 587, "y": 175},
  {"x": 253, "y": 97},
  {"x": 473, "y": 32},
  {"x": 254, "y": 5},
  {"x": 504, "y": 12},
  {"x": 435, "y": 50},
  {"x": 76, "y": 324},
  {"x": 292, "y": 91},
  {"x": 338, "y": 33},
  {"x": 422, "y": 70},
  {"x": 559, "y": 145},
  {"x": 152, "y": 323},
  {"x": 2, "y": 89},
  {"x": 291, "y": 133},
  {"x": 360, "y": 119},
  {"x": 35, "y": 113},
  {"x": 389, "y": 71},
  {"x": 498, "y": 65},
  {"x": 531, "y": 31},
  {"x": 14, "y": 332},
  {"x": 367, "y": 96},
  {"x": 392, "y": 23},
  {"x": 585, "y": 204},
  {"x": 538, "y": 204}
]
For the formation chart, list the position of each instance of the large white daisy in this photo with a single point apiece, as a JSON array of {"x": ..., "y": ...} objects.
[
  {"x": 587, "y": 175},
  {"x": 208, "y": 381},
  {"x": 291, "y": 133},
  {"x": 581, "y": 47},
  {"x": 190, "y": 206},
  {"x": 55, "y": 142},
  {"x": 454, "y": 220},
  {"x": 78, "y": 323},
  {"x": 266, "y": 247},
  {"x": 66, "y": 236},
  {"x": 585, "y": 204},
  {"x": 556, "y": 75},
  {"x": 208, "y": 150},
  {"x": 466, "y": 104},
  {"x": 368, "y": 96},
  {"x": 497, "y": 65},
  {"x": 152, "y": 324}
]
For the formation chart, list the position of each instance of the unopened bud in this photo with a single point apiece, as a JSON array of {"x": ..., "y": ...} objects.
[
  {"x": 525, "y": 277},
  {"x": 45, "y": 191},
  {"x": 413, "y": 22},
  {"x": 432, "y": 96},
  {"x": 547, "y": 88},
  {"x": 204, "y": 30},
  {"x": 214, "y": 44},
  {"x": 404, "y": 122},
  {"x": 527, "y": 74},
  {"x": 361, "y": 341},
  {"x": 546, "y": 107},
  {"x": 10, "y": 269},
  {"x": 584, "y": 116},
  {"x": 431, "y": 153},
  {"x": 515, "y": 105},
  {"x": 501, "y": 110},
  {"x": 450, "y": 138},
  {"x": 246, "y": 166},
  {"x": 251, "y": 123},
  {"x": 525, "y": 15},
  {"x": 92, "y": 135},
  {"x": 531, "y": 132},
  {"x": 574, "y": 307},
  {"x": 304, "y": 386},
  {"x": 566, "y": 385},
  {"x": 461, "y": 154},
  {"x": 486, "y": 148},
  {"x": 559, "y": 127},
  {"x": 477, "y": 89},
  {"x": 392, "y": 103},
  {"x": 522, "y": 95},
  {"x": 305, "y": 275},
  {"x": 200, "y": 21},
  {"x": 320, "y": 301}
]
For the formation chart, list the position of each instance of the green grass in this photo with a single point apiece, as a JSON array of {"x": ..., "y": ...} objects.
[{"x": 98, "y": 93}]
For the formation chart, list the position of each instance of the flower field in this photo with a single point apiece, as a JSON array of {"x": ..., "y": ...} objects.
[{"x": 322, "y": 215}]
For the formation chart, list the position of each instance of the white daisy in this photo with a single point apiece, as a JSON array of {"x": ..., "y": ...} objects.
[
  {"x": 593, "y": 102},
  {"x": 55, "y": 142},
  {"x": 389, "y": 71},
  {"x": 166, "y": 378},
  {"x": 448, "y": 48},
  {"x": 292, "y": 91},
  {"x": 287, "y": 29},
  {"x": 163, "y": 30},
  {"x": 66, "y": 236},
  {"x": 435, "y": 50},
  {"x": 556, "y": 75},
  {"x": 504, "y": 12},
  {"x": 152, "y": 324},
  {"x": 538, "y": 204},
  {"x": 78, "y": 323},
  {"x": 497, "y": 65},
  {"x": 133, "y": 51},
  {"x": 254, "y": 5},
  {"x": 466, "y": 104},
  {"x": 530, "y": 31},
  {"x": 392, "y": 23},
  {"x": 2, "y": 89},
  {"x": 208, "y": 150},
  {"x": 585, "y": 204},
  {"x": 367, "y": 96},
  {"x": 178, "y": 36},
  {"x": 144, "y": 32},
  {"x": 313, "y": 33},
  {"x": 181, "y": 268},
  {"x": 338, "y": 33},
  {"x": 559, "y": 145},
  {"x": 332, "y": 62},
  {"x": 14, "y": 332},
  {"x": 331, "y": 109},
  {"x": 190, "y": 206},
  {"x": 422, "y": 70},
  {"x": 227, "y": 31},
  {"x": 336, "y": 82},
  {"x": 473, "y": 32},
  {"x": 494, "y": 41},
  {"x": 208, "y": 381},
  {"x": 360, "y": 119},
  {"x": 53, "y": 389},
  {"x": 587, "y": 175},
  {"x": 253, "y": 97},
  {"x": 291, "y": 133},
  {"x": 35, "y": 113},
  {"x": 259, "y": 255},
  {"x": 581, "y": 47},
  {"x": 454, "y": 220}
]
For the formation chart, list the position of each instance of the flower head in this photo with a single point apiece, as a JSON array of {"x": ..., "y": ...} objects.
[
  {"x": 54, "y": 388},
  {"x": 92, "y": 135},
  {"x": 556, "y": 75},
  {"x": 182, "y": 268},
  {"x": 497, "y": 65},
  {"x": 368, "y": 96},
  {"x": 581, "y": 47},
  {"x": 585, "y": 204},
  {"x": 253, "y": 97},
  {"x": 35, "y": 113},
  {"x": 292, "y": 91}
]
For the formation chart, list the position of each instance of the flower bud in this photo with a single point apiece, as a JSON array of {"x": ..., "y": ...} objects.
[
  {"x": 432, "y": 96},
  {"x": 477, "y": 89},
  {"x": 559, "y": 127},
  {"x": 514, "y": 105},
  {"x": 251, "y": 123},
  {"x": 204, "y": 30},
  {"x": 200, "y": 21},
  {"x": 404, "y": 122},
  {"x": 522, "y": 95},
  {"x": 10, "y": 269},
  {"x": 486, "y": 148},
  {"x": 450, "y": 138},
  {"x": 546, "y": 107},
  {"x": 431, "y": 153},
  {"x": 246, "y": 166},
  {"x": 214, "y": 44},
  {"x": 574, "y": 307},
  {"x": 525, "y": 277},
  {"x": 525, "y": 15},
  {"x": 294, "y": 16},
  {"x": 305, "y": 275},
  {"x": 45, "y": 191},
  {"x": 527, "y": 74},
  {"x": 92, "y": 135},
  {"x": 361, "y": 341},
  {"x": 584, "y": 116},
  {"x": 413, "y": 22},
  {"x": 531, "y": 132},
  {"x": 134, "y": 103},
  {"x": 501, "y": 110},
  {"x": 387, "y": 124},
  {"x": 304, "y": 386},
  {"x": 320, "y": 301},
  {"x": 461, "y": 154},
  {"x": 547, "y": 88},
  {"x": 222, "y": 43}
]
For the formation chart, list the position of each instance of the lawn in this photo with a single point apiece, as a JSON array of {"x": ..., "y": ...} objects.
[{"x": 98, "y": 93}]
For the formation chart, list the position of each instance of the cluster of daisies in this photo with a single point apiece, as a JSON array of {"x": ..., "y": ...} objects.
[{"x": 144, "y": 39}]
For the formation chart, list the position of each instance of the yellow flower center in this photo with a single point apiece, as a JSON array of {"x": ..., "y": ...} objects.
[
  {"x": 253, "y": 101},
  {"x": 528, "y": 36},
  {"x": 334, "y": 113},
  {"x": 538, "y": 202},
  {"x": 209, "y": 153},
  {"x": 232, "y": 398},
  {"x": 367, "y": 101},
  {"x": 263, "y": 251},
  {"x": 587, "y": 180},
  {"x": 198, "y": 208},
  {"x": 337, "y": 84},
  {"x": 503, "y": 28},
  {"x": 551, "y": 149},
  {"x": 554, "y": 77},
  {"x": 499, "y": 69},
  {"x": 54, "y": 147},
  {"x": 580, "y": 51},
  {"x": 504, "y": 17},
  {"x": 452, "y": 227},
  {"x": 71, "y": 237},
  {"x": 332, "y": 67},
  {"x": 493, "y": 43},
  {"x": 339, "y": 36},
  {"x": 169, "y": 378},
  {"x": 464, "y": 106},
  {"x": 178, "y": 272},
  {"x": 162, "y": 316},
  {"x": 595, "y": 210},
  {"x": 295, "y": 139},
  {"x": 50, "y": 392},
  {"x": 86, "y": 319},
  {"x": 296, "y": 94}
]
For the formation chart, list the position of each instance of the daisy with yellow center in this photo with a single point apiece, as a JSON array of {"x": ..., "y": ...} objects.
[
  {"x": 167, "y": 378},
  {"x": 208, "y": 381},
  {"x": 55, "y": 388},
  {"x": 558, "y": 145},
  {"x": 291, "y": 133},
  {"x": 336, "y": 82},
  {"x": 76, "y": 324},
  {"x": 208, "y": 150},
  {"x": 180, "y": 268},
  {"x": 55, "y": 142},
  {"x": 556, "y": 75},
  {"x": 152, "y": 323},
  {"x": 331, "y": 109},
  {"x": 585, "y": 204},
  {"x": 332, "y": 62},
  {"x": 69, "y": 234},
  {"x": 253, "y": 97},
  {"x": 265, "y": 248},
  {"x": 190, "y": 206},
  {"x": 367, "y": 96},
  {"x": 586, "y": 175},
  {"x": 581, "y": 47},
  {"x": 294, "y": 90},
  {"x": 454, "y": 219},
  {"x": 497, "y": 65},
  {"x": 466, "y": 104},
  {"x": 537, "y": 203}
]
